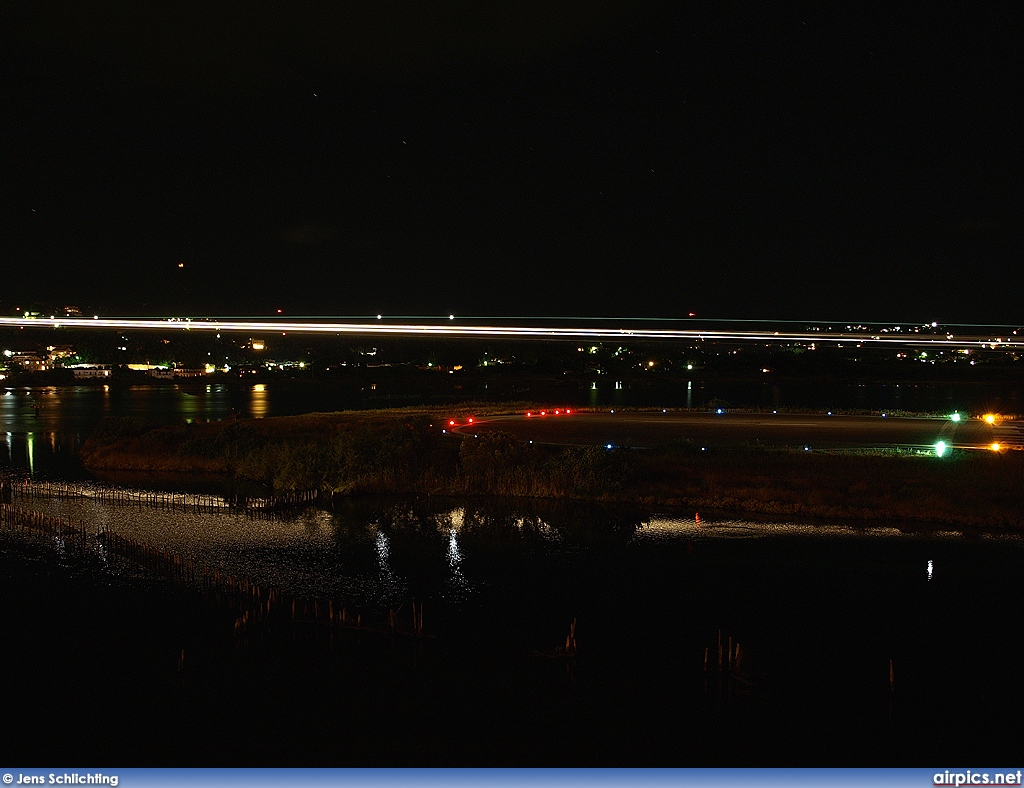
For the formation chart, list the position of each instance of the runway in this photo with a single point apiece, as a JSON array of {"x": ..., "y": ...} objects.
[{"x": 649, "y": 429}]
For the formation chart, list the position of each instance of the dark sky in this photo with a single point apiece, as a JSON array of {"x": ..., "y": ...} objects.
[{"x": 790, "y": 161}]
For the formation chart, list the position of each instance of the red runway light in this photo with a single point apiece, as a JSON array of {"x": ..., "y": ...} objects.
[
  {"x": 558, "y": 413},
  {"x": 528, "y": 414},
  {"x": 470, "y": 419},
  {"x": 543, "y": 413},
  {"x": 451, "y": 422},
  {"x": 567, "y": 411}
]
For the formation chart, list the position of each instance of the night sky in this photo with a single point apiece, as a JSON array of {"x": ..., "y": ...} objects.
[{"x": 771, "y": 161}]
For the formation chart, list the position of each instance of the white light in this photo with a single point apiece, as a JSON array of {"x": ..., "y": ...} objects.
[{"x": 931, "y": 568}]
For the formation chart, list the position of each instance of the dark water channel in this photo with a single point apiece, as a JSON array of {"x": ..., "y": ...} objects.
[{"x": 820, "y": 611}]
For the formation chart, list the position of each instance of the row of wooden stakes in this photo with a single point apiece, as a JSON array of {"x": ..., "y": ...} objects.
[{"x": 27, "y": 488}]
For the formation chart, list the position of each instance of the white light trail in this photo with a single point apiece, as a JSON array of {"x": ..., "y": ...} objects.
[{"x": 448, "y": 329}]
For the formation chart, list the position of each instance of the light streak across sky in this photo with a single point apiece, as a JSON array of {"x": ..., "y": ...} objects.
[{"x": 453, "y": 330}]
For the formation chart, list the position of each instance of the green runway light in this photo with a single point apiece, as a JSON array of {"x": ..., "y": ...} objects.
[
  {"x": 940, "y": 448},
  {"x": 954, "y": 417}
]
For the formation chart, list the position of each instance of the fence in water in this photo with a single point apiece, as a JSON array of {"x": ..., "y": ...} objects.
[{"x": 26, "y": 489}]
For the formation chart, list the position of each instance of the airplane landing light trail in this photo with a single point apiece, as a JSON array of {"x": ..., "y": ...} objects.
[{"x": 450, "y": 330}]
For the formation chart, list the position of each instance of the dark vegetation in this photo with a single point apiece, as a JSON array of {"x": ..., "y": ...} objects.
[{"x": 384, "y": 452}]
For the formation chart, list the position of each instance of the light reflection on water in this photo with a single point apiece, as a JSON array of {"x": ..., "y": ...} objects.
[
  {"x": 391, "y": 586},
  {"x": 674, "y": 527},
  {"x": 459, "y": 585},
  {"x": 380, "y": 554}
]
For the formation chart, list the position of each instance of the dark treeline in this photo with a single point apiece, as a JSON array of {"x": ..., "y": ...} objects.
[{"x": 408, "y": 452}]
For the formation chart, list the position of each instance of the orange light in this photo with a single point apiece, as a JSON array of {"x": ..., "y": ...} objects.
[
  {"x": 995, "y": 447},
  {"x": 990, "y": 418}
]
